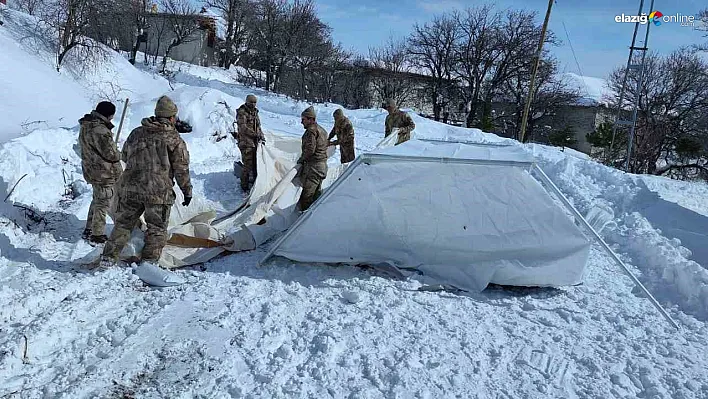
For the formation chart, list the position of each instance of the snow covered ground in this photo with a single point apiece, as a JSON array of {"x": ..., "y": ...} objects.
[{"x": 293, "y": 330}]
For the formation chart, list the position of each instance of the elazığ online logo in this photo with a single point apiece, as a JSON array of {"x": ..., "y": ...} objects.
[{"x": 657, "y": 18}]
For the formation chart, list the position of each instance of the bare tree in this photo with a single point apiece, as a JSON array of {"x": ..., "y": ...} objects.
[
  {"x": 30, "y": 7},
  {"x": 330, "y": 72},
  {"x": 492, "y": 44},
  {"x": 266, "y": 37},
  {"x": 236, "y": 14},
  {"x": 551, "y": 93},
  {"x": 391, "y": 63},
  {"x": 519, "y": 34},
  {"x": 703, "y": 26},
  {"x": 477, "y": 52},
  {"x": 302, "y": 29},
  {"x": 352, "y": 86},
  {"x": 311, "y": 53},
  {"x": 182, "y": 21},
  {"x": 137, "y": 26},
  {"x": 72, "y": 21},
  {"x": 670, "y": 115},
  {"x": 432, "y": 48}
]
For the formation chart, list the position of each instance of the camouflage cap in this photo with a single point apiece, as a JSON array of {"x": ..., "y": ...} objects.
[
  {"x": 165, "y": 107},
  {"x": 251, "y": 99},
  {"x": 309, "y": 113},
  {"x": 338, "y": 113}
]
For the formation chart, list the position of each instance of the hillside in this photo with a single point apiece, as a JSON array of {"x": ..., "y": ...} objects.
[{"x": 293, "y": 330}]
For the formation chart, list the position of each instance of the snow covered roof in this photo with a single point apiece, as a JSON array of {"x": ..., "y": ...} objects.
[
  {"x": 220, "y": 22},
  {"x": 593, "y": 91}
]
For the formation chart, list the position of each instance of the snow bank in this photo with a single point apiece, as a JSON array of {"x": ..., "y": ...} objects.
[
  {"x": 36, "y": 96},
  {"x": 692, "y": 195},
  {"x": 664, "y": 265}
]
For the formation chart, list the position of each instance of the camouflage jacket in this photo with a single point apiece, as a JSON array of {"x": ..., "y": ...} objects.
[
  {"x": 401, "y": 120},
  {"x": 155, "y": 156},
  {"x": 100, "y": 158},
  {"x": 344, "y": 131},
  {"x": 314, "y": 145},
  {"x": 249, "y": 127}
]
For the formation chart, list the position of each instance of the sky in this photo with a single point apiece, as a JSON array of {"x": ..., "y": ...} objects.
[{"x": 600, "y": 43}]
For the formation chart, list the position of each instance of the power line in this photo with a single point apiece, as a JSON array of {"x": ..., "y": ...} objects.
[{"x": 587, "y": 91}]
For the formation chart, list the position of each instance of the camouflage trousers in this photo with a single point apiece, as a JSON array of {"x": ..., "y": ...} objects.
[
  {"x": 311, "y": 177},
  {"x": 157, "y": 218},
  {"x": 248, "y": 158},
  {"x": 346, "y": 152},
  {"x": 403, "y": 137},
  {"x": 100, "y": 205}
]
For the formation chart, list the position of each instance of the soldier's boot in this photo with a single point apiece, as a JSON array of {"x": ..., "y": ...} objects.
[
  {"x": 102, "y": 263},
  {"x": 99, "y": 239},
  {"x": 107, "y": 262}
]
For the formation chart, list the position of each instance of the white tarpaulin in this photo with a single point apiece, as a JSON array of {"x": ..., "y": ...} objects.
[
  {"x": 197, "y": 235},
  {"x": 463, "y": 215}
]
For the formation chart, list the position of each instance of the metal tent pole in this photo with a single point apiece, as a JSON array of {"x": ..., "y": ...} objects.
[{"x": 602, "y": 243}]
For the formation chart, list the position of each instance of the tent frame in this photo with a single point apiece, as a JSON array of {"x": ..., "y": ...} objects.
[{"x": 370, "y": 158}]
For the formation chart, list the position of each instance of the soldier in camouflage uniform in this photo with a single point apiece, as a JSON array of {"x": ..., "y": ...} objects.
[
  {"x": 155, "y": 156},
  {"x": 398, "y": 119},
  {"x": 100, "y": 162},
  {"x": 249, "y": 134},
  {"x": 313, "y": 161},
  {"x": 344, "y": 131}
]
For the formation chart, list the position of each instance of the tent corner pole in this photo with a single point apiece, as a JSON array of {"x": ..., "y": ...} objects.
[
  {"x": 319, "y": 200},
  {"x": 603, "y": 244}
]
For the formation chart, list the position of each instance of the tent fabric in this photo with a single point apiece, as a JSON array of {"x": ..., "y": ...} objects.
[
  {"x": 462, "y": 224},
  {"x": 197, "y": 235}
]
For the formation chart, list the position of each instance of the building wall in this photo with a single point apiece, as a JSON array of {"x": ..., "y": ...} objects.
[
  {"x": 197, "y": 51},
  {"x": 581, "y": 119}
]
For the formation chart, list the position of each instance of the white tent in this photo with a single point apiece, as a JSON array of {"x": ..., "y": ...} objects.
[{"x": 465, "y": 215}]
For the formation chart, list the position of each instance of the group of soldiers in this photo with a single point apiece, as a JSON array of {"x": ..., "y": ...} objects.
[
  {"x": 313, "y": 161},
  {"x": 156, "y": 156}
]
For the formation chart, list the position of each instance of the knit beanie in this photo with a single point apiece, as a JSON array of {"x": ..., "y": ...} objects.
[
  {"x": 165, "y": 108},
  {"x": 106, "y": 109},
  {"x": 309, "y": 113}
]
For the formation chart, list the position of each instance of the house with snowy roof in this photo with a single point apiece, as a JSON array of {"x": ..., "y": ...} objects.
[
  {"x": 199, "y": 47},
  {"x": 592, "y": 108}
]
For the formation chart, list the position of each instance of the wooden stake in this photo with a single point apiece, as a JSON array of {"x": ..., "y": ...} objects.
[{"x": 120, "y": 125}]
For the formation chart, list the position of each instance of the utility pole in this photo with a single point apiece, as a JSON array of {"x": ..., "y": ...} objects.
[
  {"x": 631, "y": 123},
  {"x": 537, "y": 60}
]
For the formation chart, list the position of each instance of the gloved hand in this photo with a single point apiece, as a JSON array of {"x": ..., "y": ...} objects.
[
  {"x": 261, "y": 139},
  {"x": 186, "y": 201},
  {"x": 183, "y": 127}
]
